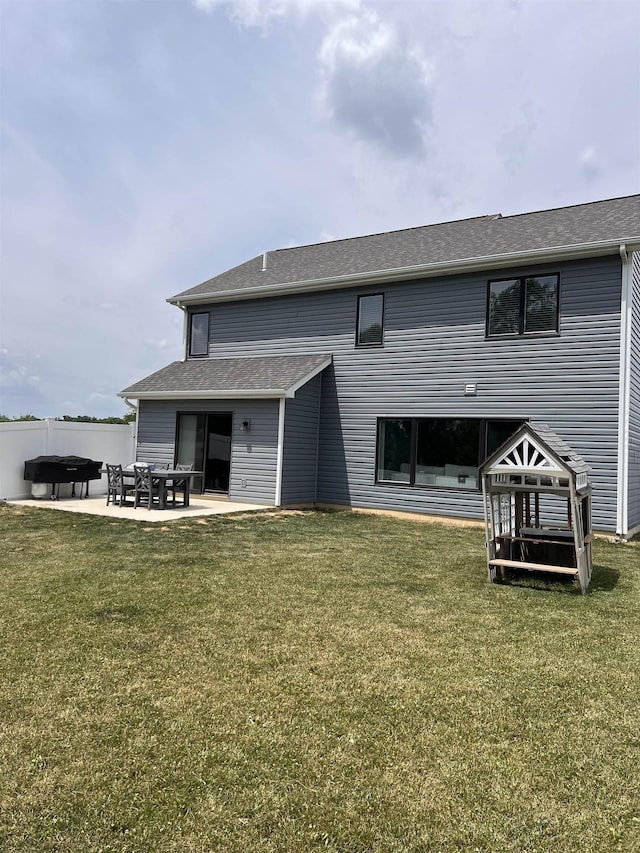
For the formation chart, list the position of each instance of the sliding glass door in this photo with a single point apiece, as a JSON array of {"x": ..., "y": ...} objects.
[{"x": 204, "y": 442}]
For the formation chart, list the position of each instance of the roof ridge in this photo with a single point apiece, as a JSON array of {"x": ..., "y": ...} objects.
[
  {"x": 571, "y": 206},
  {"x": 490, "y": 217}
]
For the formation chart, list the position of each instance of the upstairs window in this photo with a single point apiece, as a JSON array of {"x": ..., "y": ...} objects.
[
  {"x": 370, "y": 320},
  {"x": 523, "y": 306},
  {"x": 199, "y": 334}
]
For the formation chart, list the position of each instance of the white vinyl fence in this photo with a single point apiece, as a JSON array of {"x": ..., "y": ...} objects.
[{"x": 22, "y": 440}]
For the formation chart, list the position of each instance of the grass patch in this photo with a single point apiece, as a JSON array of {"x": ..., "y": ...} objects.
[{"x": 309, "y": 681}]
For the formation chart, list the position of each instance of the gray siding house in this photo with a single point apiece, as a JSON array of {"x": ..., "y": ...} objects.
[{"x": 380, "y": 371}]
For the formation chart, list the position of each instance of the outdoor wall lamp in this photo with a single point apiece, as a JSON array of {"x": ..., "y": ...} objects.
[{"x": 246, "y": 426}]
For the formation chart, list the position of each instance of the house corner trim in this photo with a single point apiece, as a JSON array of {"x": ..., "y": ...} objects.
[
  {"x": 622, "y": 499},
  {"x": 280, "y": 451}
]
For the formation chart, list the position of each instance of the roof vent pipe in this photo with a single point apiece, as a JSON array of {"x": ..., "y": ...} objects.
[{"x": 264, "y": 261}]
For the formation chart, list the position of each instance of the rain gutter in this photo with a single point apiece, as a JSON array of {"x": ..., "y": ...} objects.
[
  {"x": 462, "y": 265},
  {"x": 230, "y": 394}
]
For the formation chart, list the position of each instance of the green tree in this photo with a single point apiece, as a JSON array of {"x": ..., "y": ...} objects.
[
  {"x": 6, "y": 419},
  {"x": 128, "y": 418}
]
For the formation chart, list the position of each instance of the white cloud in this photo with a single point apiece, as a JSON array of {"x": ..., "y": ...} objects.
[
  {"x": 21, "y": 385},
  {"x": 96, "y": 397},
  {"x": 375, "y": 85},
  {"x": 148, "y": 147},
  {"x": 17, "y": 376},
  {"x": 161, "y": 344},
  {"x": 514, "y": 146},
  {"x": 589, "y": 163},
  {"x": 258, "y": 13}
]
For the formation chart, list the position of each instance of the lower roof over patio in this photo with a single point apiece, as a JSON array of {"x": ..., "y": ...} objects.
[{"x": 221, "y": 378}]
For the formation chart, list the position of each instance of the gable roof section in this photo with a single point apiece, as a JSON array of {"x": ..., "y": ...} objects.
[
  {"x": 226, "y": 378},
  {"x": 583, "y": 230},
  {"x": 535, "y": 447}
]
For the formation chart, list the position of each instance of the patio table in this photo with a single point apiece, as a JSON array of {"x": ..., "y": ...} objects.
[{"x": 162, "y": 476}]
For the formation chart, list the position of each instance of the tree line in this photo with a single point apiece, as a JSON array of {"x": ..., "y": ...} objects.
[{"x": 84, "y": 419}]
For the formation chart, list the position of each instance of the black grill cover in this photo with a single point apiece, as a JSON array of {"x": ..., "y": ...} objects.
[{"x": 61, "y": 469}]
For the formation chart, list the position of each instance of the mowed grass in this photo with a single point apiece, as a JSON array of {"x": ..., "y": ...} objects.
[{"x": 306, "y": 682}]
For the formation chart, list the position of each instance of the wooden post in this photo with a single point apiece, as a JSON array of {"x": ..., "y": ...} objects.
[
  {"x": 489, "y": 528},
  {"x": 578, "y": 537}
]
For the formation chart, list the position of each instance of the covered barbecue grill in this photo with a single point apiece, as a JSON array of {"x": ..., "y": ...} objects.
[{"x": 61, "y": 469}]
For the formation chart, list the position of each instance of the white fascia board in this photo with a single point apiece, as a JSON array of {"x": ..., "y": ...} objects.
[
  {"x": 537, "y": 256},
  {"x": 291, "y": 391},
  {"x": 236, "y": 394}
]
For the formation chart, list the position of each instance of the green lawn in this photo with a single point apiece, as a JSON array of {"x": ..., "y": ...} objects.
[{"x": 307, "y": 682}]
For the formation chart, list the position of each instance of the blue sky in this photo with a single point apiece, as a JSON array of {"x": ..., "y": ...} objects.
[{"x": 147, "y": 145}]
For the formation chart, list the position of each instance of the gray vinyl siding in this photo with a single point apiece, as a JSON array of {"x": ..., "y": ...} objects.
[
  {"x": 300, "y": 459},
  {"x": 422, "y": 371},
  {"x": 434, "y": 343},
  {"x": 253, "y": 453},
  {"x": 634, "y": 401}
]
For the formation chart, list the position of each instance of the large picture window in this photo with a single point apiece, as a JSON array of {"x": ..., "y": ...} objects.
[
  {"x": 370, "y": 320},
  {"x": 440, "y": 452},
  {"x": 199, "y": 333},
  {"x": 523, "y": 306}
]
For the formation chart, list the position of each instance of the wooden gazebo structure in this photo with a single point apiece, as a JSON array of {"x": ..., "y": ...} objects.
[{"x": 535, "y": 476}]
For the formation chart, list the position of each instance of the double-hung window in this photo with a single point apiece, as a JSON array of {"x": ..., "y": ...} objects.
[
  {"x": 523, "y": 306},
  {"x": 370, "y": 322},
  {"x": 199, "y": 333},
  {"x": 439, "y": 452}
]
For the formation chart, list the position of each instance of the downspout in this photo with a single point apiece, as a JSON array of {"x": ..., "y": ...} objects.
[
  {"x": 185, "y": 329},
  {"x": 622, "y": 503},
  {"x": 135, "y": 409},
  {"x": 315, "y": 486},
  {"x": 280, "y": 453}
]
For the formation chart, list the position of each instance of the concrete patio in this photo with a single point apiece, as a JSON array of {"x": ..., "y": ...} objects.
[{"x": 198, "y": 507}]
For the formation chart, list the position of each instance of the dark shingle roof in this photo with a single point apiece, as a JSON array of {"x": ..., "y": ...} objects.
[
  {"x": 226, "y": 377},
  {"x": 560, "y": 447},
  {"x": 549, "y": 439},
  {"x": 446, "y": 243}
]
